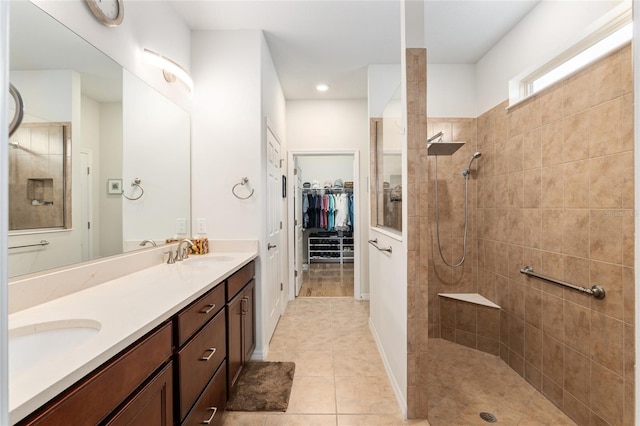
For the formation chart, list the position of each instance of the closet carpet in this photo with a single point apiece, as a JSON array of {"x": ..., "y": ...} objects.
[
  {"x": 327, "y": 280},
  {"x": 340, "y": 379}
]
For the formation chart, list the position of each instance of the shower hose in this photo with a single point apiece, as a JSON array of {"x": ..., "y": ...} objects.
[{"x": 466, "y": 221}]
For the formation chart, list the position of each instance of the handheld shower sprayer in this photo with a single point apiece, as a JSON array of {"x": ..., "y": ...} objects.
[{"x": 466, "y": 172}]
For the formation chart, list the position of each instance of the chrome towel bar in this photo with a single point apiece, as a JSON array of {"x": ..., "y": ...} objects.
[
  {"x": 374, "y": 243},
  {"x": 41, "y": 243},
  {"x": 595, "y": 291}
]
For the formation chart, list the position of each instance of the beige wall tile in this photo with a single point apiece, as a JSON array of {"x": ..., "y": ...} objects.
[
  {"x": 575, "y": 242},
  {"x": 576, "y": 185},
  {"x": 606, "y": 239},
  {"x": 577, "y": 327},
  {"x": 575, "y": 93},
  {"x": 606, "y": 386},
  {"x": 606, "y": 79},
  {"x": 551, "y": 143},
  {"x": 575, "y": 131},
  {"x": 607, "y": 342},
  {"x": 577, "y": 375},
  {"x": 608, "y": 276}
]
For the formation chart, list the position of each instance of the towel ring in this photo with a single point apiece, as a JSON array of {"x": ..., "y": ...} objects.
[
  {"x": 243, "y": 182},
  {"x": 135, "y": 183},
  {"x": 19, "y": 114}
]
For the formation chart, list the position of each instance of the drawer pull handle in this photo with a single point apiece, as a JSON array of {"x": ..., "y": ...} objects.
[
  {"x": 243, "y": 305},
  {"x": 210, "y": 419},
  {"x": 208, "y": 308},
  {"x": 208, "y": 357}
]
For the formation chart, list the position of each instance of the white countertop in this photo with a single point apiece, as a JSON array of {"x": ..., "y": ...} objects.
[{"x": 127, "y": 308}]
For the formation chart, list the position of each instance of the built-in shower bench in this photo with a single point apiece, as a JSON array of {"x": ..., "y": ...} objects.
[{"x": 470, "y": 319}]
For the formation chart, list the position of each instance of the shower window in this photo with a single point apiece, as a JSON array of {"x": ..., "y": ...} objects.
[
  {"x": 39, "y": 178},
  {"x": 615, "y": 32}
]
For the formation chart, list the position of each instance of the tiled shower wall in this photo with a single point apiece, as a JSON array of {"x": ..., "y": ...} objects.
[
  {"x": 451, "y": 204},
  {"x": 555, "y": 191}
]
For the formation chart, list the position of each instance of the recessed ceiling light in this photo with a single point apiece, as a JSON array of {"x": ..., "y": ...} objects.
[{"x": 322, "y": 87}]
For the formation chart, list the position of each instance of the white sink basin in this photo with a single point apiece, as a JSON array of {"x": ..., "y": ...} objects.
[
  {"x": 208, "y": 260},
  {"x": 32, "y": 344}
]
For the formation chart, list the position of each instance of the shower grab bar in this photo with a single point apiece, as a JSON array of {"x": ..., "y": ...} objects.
[
  {"x": 374, "y": 243},
  {"x": 41, "y": 243},
  {"x": 595, "y": 291}
]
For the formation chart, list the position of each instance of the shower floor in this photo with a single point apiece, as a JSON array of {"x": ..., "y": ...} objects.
[{"x": 464, "y": 382}]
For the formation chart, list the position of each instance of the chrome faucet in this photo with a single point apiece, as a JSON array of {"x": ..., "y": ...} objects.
[
  {"x": 144, "y": 242},
  {"x": 183, "y": 253}
]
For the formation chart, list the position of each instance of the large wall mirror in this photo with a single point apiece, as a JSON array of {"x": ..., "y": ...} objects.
[
  {"x": 90, "y": 131},
  {"x": 386, "y": 149}
]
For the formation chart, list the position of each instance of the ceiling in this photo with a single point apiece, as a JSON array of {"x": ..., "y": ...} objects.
[{"x": 333, "y": 41}]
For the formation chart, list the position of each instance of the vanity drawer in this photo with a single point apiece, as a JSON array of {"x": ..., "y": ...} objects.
[
  {"x": 199, "y": 312},
  {"x": 237, "y": 281},
  {"x": 211, "y": 404},
  {"x": 199, "y": 359},
  {"x": 96, "y": 396}
]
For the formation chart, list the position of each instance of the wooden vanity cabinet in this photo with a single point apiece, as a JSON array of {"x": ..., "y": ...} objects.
[
  {"x": 241, "y": 325},
  {"x": 181, "y": 373},
  {"x": 111, "y": 390}
]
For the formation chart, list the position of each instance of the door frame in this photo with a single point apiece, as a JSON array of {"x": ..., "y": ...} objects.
[{"x": 357, "y": 231}]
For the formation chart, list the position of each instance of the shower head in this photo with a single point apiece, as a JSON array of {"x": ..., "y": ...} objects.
[
  {"x": 467, "y": 171},
  {"x": 435, "y": 145}
]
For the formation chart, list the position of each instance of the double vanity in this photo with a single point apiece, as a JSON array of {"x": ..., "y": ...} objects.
[{"x": 160, "y": 345}]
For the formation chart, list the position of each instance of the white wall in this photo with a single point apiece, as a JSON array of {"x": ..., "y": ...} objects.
[
  {"x": 326, "y": 168},
  {"x": 226, "y": 132},
  {"x": 237, "y": 90},
  {"x": 336, "y": 125},
  {"x": 387, "y": 272},
  {"x": 550, "y": 25},
  {"x": 383, "y": 81},
  {"x": 451, "y": 90}
]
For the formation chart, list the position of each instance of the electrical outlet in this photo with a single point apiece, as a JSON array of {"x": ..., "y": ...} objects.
[
  {"x": 181, "y": 225},
  {"x": 201, "y": 225}
]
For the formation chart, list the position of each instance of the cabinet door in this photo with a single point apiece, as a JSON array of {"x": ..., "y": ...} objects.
[
  {"x": 248, "y": 321},
  {"x": 234, "y": 339},
  {"x": 152, "y": 406}
]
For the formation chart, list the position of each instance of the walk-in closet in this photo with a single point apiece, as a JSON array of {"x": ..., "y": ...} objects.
[{"x": 325, "y": 202}]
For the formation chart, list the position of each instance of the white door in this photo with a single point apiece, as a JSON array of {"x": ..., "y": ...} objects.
[
  {"x": 298, "y": 221},
  {"x": 275, "y": 285},
  {"x": 85, "y": 220}
]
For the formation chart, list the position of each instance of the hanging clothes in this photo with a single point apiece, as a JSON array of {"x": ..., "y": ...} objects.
[{"x": 305, "y": 211}]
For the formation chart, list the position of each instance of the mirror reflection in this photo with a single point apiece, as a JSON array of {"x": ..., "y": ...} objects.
[
  {"x": 388, "y": 153},
  {"x": 87, "y": 124}
]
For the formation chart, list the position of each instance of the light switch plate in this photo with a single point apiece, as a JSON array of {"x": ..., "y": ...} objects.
[
  {"x": 201, "y": 225},
  {"x": 181, "y": 225}
]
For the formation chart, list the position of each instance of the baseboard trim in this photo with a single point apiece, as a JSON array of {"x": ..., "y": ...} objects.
[{"x": 394, "y": 384}]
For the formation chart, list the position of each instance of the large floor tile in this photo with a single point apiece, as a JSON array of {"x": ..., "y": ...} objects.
[
  {"x": 312, "y": 395},
  {"x": 364, "y": 395}
]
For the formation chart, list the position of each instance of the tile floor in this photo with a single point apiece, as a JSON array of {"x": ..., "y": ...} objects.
[
  {"x": 327, "y": 280},
  {"x": 339, "y": 379},
  {"x": 464, "y": 382}
]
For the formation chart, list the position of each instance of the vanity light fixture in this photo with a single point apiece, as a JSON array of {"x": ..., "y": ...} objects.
[
  {"x": 322, "y": 87},
  {"x": 171, "y": 70}
]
